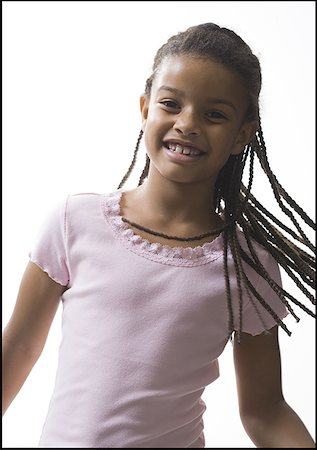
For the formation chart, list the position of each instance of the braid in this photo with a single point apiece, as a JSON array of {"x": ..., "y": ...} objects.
[
  {"x": 275, "y": 186},
  {"x": 252, "y": 219},
  {"x": 291, "y": 248},
  {"x": 126, "y": 176},
  {"x": 258, "y": 263},
  {"x": 242, "y": 209},
  {"x": 239, "y": 255},
  {"x": 295, "y": 206},
  {"x": 282, "y": 244},
  {"x": 251, "y": 175},
  {"x": 145, "y": 170},
  {"x": 239, "y": 275},
  {"x": 283, "y": 263},
  {"x": 266, "y": 306},
  {"x": 261, "y": 208},
  {"x": 227, "y": 283}
]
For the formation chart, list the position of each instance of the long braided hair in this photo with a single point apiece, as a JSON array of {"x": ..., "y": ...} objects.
[{"x": 232, "y": 198}]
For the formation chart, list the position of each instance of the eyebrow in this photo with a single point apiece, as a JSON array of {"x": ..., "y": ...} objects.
[{"x": 208, "y": 99}]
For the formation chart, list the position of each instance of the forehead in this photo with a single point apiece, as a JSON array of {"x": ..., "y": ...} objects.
[{"x": 200, "y": 77}]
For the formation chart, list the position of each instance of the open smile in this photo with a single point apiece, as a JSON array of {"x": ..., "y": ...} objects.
[{"x": 182, "y": 153}]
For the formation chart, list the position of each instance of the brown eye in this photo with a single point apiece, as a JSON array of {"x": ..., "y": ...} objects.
[
  {"x": 169, "y": 104},
  {"x": 215, "y": 115}
]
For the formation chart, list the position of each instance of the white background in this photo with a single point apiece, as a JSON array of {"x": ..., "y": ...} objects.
[{"x": 72, "y": 76}]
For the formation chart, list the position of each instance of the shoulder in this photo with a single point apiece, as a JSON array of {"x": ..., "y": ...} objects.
[
  {"x": 263, "y": 254},
  {"x": 84, "y": 210},
  {"x": 82, "y": 203},
  {"x": 83, "y": 199},
  {"x": 259, "y": 264},
  {"x": 265, "y": 304}
]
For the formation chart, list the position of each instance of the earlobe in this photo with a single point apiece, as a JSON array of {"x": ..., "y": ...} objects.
[
  {"x": 245, "y": 136},
  {"x": 144, "y": 107}
]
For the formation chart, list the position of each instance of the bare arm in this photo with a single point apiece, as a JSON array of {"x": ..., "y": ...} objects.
[
  {"x": 268, "y": 420},
  {"x": 26, "y": 332}
]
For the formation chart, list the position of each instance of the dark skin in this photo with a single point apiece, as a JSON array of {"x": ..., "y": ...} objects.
[
  {"x": 267, "y": 418},
  {"x": 182, "y": 195},
  {"x": 184, "y": 191},
  {"x": 176, "y": 200},
  {"x": 25, "y": 335}
]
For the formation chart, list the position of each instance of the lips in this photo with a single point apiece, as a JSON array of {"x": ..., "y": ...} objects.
[
  {"x": 183, "y": 148},
  {"x": 180, "y": 153}
]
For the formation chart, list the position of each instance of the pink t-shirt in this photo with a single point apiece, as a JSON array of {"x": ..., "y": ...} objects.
[{"x": 142, "y": 327}]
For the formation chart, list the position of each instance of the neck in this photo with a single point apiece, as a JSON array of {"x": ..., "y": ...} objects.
[{"x": 177, "y": 203}]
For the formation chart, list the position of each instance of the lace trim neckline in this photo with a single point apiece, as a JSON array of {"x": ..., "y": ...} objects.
[{"x": 184, "y": 256}]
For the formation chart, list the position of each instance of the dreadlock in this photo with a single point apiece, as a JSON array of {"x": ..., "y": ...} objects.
[{"x": 232, "y": 198}]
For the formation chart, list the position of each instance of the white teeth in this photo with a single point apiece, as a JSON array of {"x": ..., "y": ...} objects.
[{"x": 183, "y": 150}]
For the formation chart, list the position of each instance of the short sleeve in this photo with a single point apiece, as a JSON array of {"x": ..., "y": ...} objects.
[
  {"x": 255, "y": 318},
  {"x": 49, "y": 250}
]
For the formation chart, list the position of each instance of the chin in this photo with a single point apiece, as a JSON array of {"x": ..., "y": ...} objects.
[{"x": 181, "y": 178}]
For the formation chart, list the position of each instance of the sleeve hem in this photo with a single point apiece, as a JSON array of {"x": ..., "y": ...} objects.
[
  {"x": 54, "y": 278},
  {"x": 269, "y": 326}
]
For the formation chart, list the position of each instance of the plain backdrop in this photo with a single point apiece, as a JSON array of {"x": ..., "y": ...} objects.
[{"x": 72, "y": 76}]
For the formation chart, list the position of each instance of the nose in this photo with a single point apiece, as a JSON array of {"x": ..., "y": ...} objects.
[{"x": 187, "y": 123}]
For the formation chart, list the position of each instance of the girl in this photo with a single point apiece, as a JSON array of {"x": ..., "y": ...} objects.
[{"x": 156, "y": 280}]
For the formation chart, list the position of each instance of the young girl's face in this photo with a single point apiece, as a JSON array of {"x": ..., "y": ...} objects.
[{"x": 194, "y": 119}]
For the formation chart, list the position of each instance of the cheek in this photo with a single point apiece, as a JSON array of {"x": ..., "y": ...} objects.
[
  {"x": 224, "y": 139},
  {"x": 154, "y": 132},
  {"x": 151, "y": 138}
]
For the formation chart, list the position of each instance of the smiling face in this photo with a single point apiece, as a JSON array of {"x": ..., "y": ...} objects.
[{"x": 194, "y": 119}]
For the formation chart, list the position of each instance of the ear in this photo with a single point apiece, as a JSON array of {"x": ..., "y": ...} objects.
[
  {"x": 144, "y": 107},
  {"x": 245, "y": 135}
]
